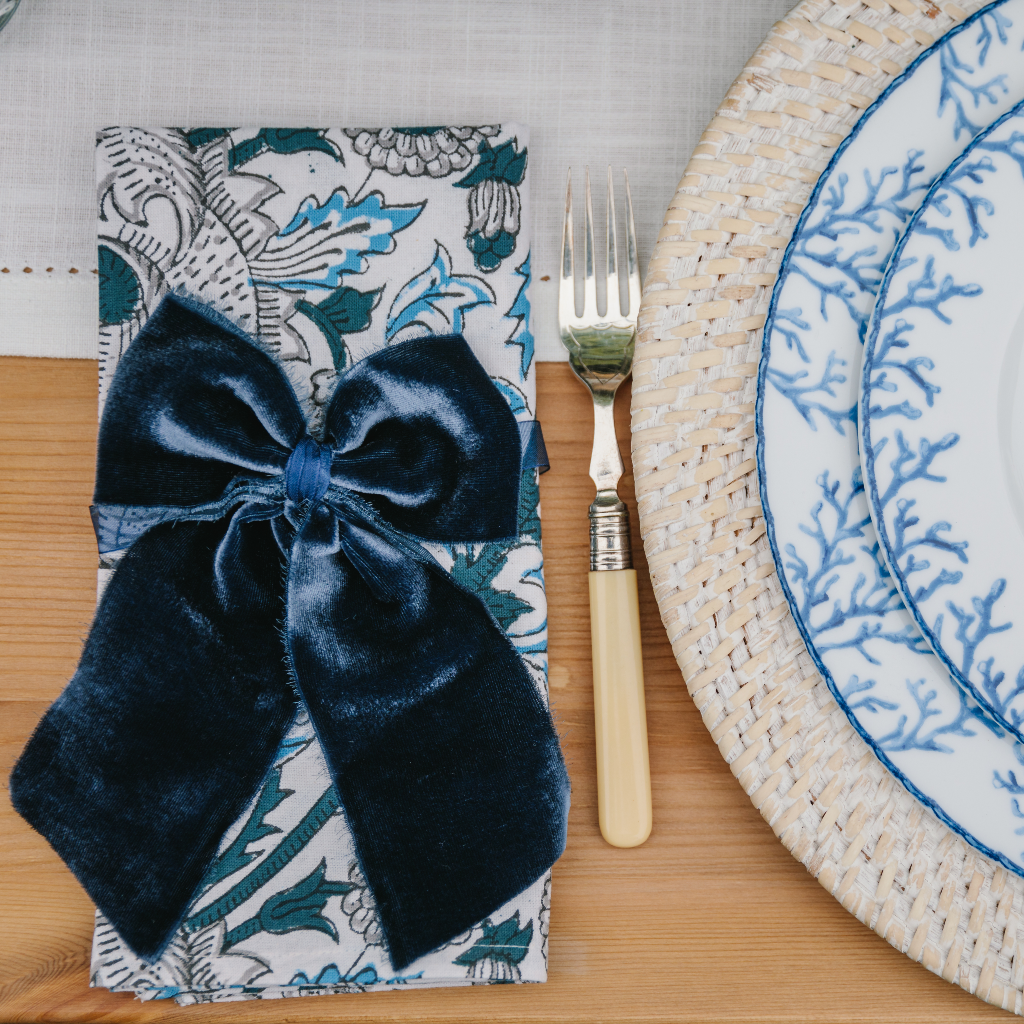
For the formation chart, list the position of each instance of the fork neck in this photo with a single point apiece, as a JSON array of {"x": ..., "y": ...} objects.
[{"x": 605, "y": 461}]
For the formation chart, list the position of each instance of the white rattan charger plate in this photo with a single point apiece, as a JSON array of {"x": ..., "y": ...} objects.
[{"x": 807, "y": 754}]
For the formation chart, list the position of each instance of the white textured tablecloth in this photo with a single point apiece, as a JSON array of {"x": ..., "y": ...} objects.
[{"x": 598, "y": 82}]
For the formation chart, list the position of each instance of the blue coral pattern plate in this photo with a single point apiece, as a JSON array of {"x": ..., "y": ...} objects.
[
  {"x": 945, "y": 747},
  {"x": 942, "y": 419}
]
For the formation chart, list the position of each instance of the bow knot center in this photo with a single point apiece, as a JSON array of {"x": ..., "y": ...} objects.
[{"x": 307, "y": 474}]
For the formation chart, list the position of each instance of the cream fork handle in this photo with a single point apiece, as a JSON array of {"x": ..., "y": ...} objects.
[{"x": 623, "y": 766}]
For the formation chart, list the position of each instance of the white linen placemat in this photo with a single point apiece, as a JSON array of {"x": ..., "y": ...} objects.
[{"x": 599, "y": 81}]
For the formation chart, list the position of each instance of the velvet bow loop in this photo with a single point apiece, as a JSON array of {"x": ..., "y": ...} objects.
[
  {"x": 262, "y": 563},
  {"x": 418, "y": 430}
]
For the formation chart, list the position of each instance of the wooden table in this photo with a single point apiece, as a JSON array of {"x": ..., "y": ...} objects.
[{"x": 710, "y": 920}]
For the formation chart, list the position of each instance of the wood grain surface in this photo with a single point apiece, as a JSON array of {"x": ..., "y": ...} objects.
[{"x": 711, "y": 920}]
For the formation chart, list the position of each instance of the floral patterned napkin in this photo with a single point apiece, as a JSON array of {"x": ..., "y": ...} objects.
[{"x": 328, "y": 244}]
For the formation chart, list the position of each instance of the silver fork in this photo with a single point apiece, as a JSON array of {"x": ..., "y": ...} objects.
[
  {"x": 600, "y": 354},
  {"x": 600, "y": 350}
]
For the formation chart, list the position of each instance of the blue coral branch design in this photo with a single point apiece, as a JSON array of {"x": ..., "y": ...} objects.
[
  {"x": 789, "y": 385},
  {"x": 1002, "y": 703},
  {"x": 916, "y": 737},
  {"x": 970, "y": 640},
  {"x": 887, "y": 201},
  {"x": 870, "y": 703},
  {"x": 958, "y": 90},
  {"x": 912, "y": 369},
  {"x": 847, "y": 275},
  {"x": 925, "y": 293},
  {"x": 791, "y": 335},
  {"x": 835, "y": 523}
]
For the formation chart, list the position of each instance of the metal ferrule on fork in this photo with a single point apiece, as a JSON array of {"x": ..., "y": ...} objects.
[{"x": 609, "y": 533}]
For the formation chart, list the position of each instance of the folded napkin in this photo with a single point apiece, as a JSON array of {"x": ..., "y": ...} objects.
[{"x": 328, "y": 246}]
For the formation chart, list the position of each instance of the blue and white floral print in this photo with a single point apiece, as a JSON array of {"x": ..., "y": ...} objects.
[
  {"x": 931, "y": 439},
  {"x": 945, "y": 748},
  {"x": 326, "y": 245}
]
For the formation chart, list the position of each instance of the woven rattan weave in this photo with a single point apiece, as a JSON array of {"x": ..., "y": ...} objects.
[{"x": 884, "y": 856}]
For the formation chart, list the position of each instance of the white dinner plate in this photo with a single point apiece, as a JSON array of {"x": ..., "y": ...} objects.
[
  {"x": 940, "y": 744},
  {"x": 942, "y": 419}
]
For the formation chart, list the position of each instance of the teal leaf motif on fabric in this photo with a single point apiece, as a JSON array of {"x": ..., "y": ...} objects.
[
  {"x": 199, "y": 137},
  {"x": 501, "y": 164},
  {"x": 235, "y": 857},
  {"x": 321, "y": 243},
  {"x": 302, "y": 905},
  {"x": 282, "y": 855},
  {"x": 520, "y": 312},
  {"x": 120, "y": 289},
  {"x": 529, "y": 505},
  {"x": 345, "y": 311},
  {"x": 291, "y": 910},
  {"x": 477, "y": 568},
  {"x": 435, "y": 300},
  {"x": 274, "y": 140},
  {"x": 283, "y": 140},
  {"x": 477, "y": 572},
  {"x": 503, "y": 943}
]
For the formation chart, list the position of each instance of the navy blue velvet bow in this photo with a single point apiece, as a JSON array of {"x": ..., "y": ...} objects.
[{"x": 262, "y": 563}]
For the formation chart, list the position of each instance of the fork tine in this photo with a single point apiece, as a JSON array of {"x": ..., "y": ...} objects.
[
  {"x": 631, "y": 261},
  {"x": 613, "y": 309},
  {"x": 567, "y": 283},
  {"x": 589, "y": 284}
]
